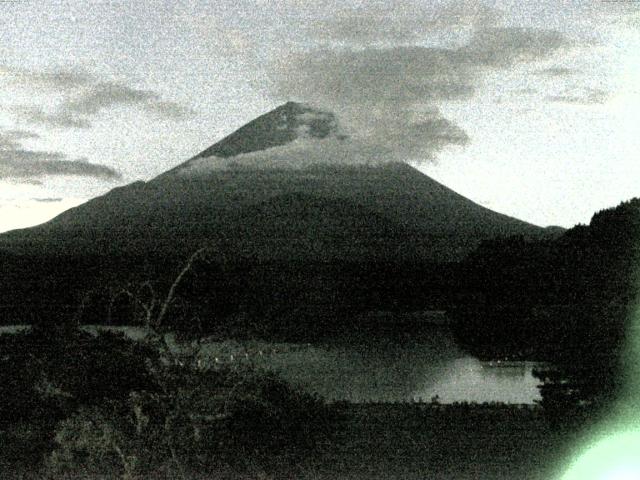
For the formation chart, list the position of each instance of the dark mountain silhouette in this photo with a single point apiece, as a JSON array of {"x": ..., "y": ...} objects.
[
  {"x": 322, "y": 211},
  {"x": 248, "y": 199}
]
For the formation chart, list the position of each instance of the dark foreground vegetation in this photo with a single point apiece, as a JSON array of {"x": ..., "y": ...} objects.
[
  {"x": 75, "y": 405},
  {"x": 78, "y": 405},
  {"x": 234, "y": 298},
  {"x": 446, "y": 442}
]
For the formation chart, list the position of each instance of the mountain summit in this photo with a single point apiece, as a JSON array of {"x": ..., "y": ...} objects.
[
  {"x": 281, "y": 126},
  {"x": 275, "y": 128}
]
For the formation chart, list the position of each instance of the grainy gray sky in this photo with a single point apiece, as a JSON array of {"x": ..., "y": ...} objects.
[{"x": 527, "y": 107}]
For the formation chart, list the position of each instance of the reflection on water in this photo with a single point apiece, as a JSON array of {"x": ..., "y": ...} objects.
[
  {"x": 467, "y": 379},
  {"x": 406, "y": 371}
]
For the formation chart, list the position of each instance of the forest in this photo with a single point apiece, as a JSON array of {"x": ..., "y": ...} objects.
[{"x": 569, "y": 301}]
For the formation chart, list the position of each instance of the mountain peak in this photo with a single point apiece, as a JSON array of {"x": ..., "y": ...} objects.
[{"x": 280, "y": 126}]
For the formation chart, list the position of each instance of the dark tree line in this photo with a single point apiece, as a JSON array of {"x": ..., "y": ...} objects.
[
  {"x": 568, "y": 301},
  {"x": 244, "y": 297}
]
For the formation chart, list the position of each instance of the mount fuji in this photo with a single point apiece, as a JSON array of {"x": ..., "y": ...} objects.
[
  {"x": 288, "y": 185},
  {"x": 297, "y": 213}
]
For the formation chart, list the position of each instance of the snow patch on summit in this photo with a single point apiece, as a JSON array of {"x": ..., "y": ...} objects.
[{"x": 318, "y": 140}]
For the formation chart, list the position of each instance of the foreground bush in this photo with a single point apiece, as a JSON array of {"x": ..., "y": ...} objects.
[{"x": 105, "y": 405}]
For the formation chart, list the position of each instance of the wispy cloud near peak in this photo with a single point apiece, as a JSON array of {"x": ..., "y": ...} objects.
[{"x": 392, "y": 94}]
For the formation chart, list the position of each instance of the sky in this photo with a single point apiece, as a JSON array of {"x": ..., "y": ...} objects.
[{"x": 529, "y": 108}]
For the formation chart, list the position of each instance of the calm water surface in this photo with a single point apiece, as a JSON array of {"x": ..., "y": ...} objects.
[{"x": 380, "y": 370}]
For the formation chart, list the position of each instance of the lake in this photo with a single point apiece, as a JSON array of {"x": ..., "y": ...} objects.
[
  {"x": 381, "y": 370},
  {"x": 364, "y": 370}
]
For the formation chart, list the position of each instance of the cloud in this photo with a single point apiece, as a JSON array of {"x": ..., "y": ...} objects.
[
  {"x": 336, "y": 148},
  {"x": 24, "y": 181},
  {"x": 84, "y": 97},
  {"x": 557, "y": 72},
  {"x": 586, "y": 96},
  {"x": 374, "y": 75},
  {"x": 300, "y": 154},
  {"x": 505, "y": 46},
  {"x": 32, "y": 164},
  {"x": 525, "y": 91},
  {"x": 390, "y": 95},
  {"x": 19, "y": 134},
  {"x": 398, "y": 22},
  {"x": 409, "y": 74},
  {"x": 48, "y": 200},
  {"x": 26, "y": 166},
  {"x": 107, "y": 94},
  {"x": 10, "y": 139},
  {"x": 60, "y": 119},
  {"x": 57, "y": 80},
  {"x": 79, "y": 109}
]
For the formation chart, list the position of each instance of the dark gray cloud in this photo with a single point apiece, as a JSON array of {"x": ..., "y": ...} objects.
[
  {"x": 84, "y": 97},
  {"x": 25, "y": 181},
  {"x": 60, "y": 119},
  {"x": 19, "y": 134},
  {"x": 80, "y": 108},
  {"x": 394, "y": 75},
  {"x": 398, "y": 22},
  {"x": 20, "y": 164},
  {"x": 107, "y": 94},
  {"x": 505, "y": 46},
  {"x": 405, "y": 131},
  {"x": 57, "y": 80},
  {"x": 26, "y": 166},
  {"x": 10, "y": 139},
  {"x": 526, "y": 91},
  {"x": 390, "y": 95},
  {"x": 433, "y": 132}
]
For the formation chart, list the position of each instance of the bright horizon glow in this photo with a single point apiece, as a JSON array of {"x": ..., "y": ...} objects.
[
  {"x": 31, "y": 213},
  {"x": 613, "y": 457}
]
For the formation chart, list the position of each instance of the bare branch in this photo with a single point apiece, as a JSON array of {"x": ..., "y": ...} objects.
[{"x": 169, "y": 299}]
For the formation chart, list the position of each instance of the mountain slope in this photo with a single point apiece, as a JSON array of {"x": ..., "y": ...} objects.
[
  {"x": 387, "y": 208},
  {"x": 415, "y": 215},
  {"x": 276, "y": 128}
]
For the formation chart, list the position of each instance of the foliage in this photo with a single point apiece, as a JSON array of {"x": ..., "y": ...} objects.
[
  {"x": 63, "y": 367},
  {"x": 106, "y": 405},
  {"x": 566, "y": 300}
]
